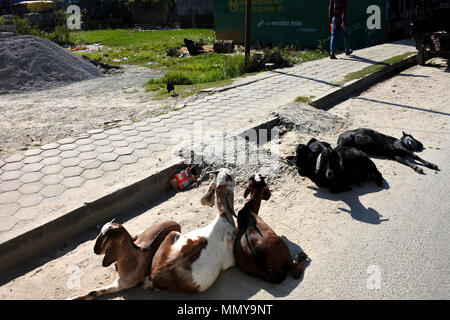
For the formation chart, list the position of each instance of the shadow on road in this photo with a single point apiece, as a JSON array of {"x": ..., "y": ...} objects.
[
  {"x": 403, "y": 106},
  {"x": 357, "y": 210}
]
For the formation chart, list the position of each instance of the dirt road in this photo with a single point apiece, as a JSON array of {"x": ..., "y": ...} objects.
[{"x": 369, "y": 243}]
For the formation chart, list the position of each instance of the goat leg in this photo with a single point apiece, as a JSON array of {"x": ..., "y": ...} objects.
[
  {"x": 409, "y": 164},
  {"x": 425, "y": 163},
  {"x": 114, "y": 287}
]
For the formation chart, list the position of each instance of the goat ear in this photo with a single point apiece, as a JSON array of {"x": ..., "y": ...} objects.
[
  {"x": 112, "y": 254},
  {"x": 208, "y": 197},
  {"x": 341, "y": 162},
  {"x": 404, "y": 134},
  {"x": 246, "y": 192}
]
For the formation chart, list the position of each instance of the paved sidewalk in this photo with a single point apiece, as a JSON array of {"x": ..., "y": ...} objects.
[{"x": 41, "y": 184}]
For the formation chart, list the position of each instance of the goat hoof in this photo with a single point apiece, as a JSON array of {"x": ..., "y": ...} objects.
[
  {"x": 302, "y": 257},
  {"x": 419, "y": 170}
]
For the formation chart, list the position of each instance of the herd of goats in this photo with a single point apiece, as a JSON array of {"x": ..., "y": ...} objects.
[{"x": 161, "y": 257}]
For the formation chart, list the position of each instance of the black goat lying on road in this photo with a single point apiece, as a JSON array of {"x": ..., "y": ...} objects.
[
  {"x": 306, "y": 159},
  {"x": 337, "y": 168},
  {"x": 377, "y": 144},
  {"x": 343, "y": 167}
]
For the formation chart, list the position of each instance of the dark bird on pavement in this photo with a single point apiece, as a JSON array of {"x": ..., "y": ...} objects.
[{"x": 170, "y": 87}]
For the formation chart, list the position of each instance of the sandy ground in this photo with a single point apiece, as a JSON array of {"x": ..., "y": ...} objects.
[
  {"x": 40, "y": 117},
  {"x": 370, "y": 243}
]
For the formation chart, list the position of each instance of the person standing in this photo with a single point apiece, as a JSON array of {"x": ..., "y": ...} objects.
[{"x": 337, "y": 12}]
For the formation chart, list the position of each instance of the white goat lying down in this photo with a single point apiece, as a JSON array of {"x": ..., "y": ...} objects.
[
  {"x": 133, "y": 255},
  {"x": 193, "y": 261}
]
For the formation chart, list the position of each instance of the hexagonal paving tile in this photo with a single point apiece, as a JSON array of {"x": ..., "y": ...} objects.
[
  {"x": 71, "y": 172},
  {"x": 9, "y": 197},
  {"x": 88, "y": 155},
  {"x": 119, "y": 144},
  {"x": 127, "y": 159},
  {"x": 53, "y": 190},
  {"x": 127, "y": 128},
  {"x": 104, "y": 149},
  {"x": 31, "y": 177},
  {"x": 111, "y": 166},
  {"x": 106, "y": 157},
  {"x": 13, "y": 166},
  {"x": 86, "y": 148},
  {"x": 68, "y": 147},
  {"x": 52, "y": 169},
  {"x": 33, "y": 167},
  {"x": 83, "y": 142},
  {"x": 95, "y": 131},
  {"x": 99, "y": 136},
  {"x": 139, "y": 145},
  {"x": 10, "y": 185},
  {"x": 52, "y": 179},
  {"x": 8, "y": 209},
  {"x": 69, "y": 154},
  {"x": 90, "y": 164},
  {"x": 73, "y": 182},
  {"x": 33, "y": 187},
  {"x": 11, "y": 175},
  {"x": 152, "y": 140},
  {"x": 131, "y": 133},
  {"x": 50, "y": 153},
  {"x": 161, "y": 129},
  {"x": 71, "y": 162},
  {"x": 112, "y": 132},
  {"x": 14, "y": 158},
  {"x": 117, "y": 137},
  {"x": 123, "y": 151},
  {"x": 33, "y": 159},
  {"x": 30, "y": 200},
  {"x": 50, "y": 146},
  {"x": 32, "y": 152},
  {"x": 66, "y": 141},
  {"x": 135, "y": 139},
  {"x": 102, "y": 142},
  {"x": 92, "y": 174}
]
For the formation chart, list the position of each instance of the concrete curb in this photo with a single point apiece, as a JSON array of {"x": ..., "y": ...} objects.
[
  {"x": 355, "y": 87},
  {"x": 42, "y": 239}
]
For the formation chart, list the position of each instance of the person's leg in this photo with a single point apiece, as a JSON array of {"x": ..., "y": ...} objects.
[
  {"x": 336, "y": 26},
  {"x": 348, "y": 51}
]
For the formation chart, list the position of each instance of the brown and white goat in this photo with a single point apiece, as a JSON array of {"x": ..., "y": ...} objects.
[
  {"x": 258, "y": 250},
  {"x": 191, "y": 262},
  {"x": 134, "y": 255}
]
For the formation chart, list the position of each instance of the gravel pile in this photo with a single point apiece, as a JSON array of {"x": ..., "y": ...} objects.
[{"x": 29, "y": 63}]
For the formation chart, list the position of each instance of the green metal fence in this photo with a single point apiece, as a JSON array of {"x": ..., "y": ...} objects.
[{"x": 299, "y": 22}]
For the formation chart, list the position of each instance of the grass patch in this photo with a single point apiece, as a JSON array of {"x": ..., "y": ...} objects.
[
  {"x": 139, "y": 47},
  {"x": 190, "y": 74},
  {"x": 373, "y": 68},
  {"x": 304, "y": 99}
]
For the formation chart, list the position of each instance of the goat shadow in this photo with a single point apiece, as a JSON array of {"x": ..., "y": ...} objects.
[
  {"x": 233, "y": 284},
  {"x": 357, "y": 210}
]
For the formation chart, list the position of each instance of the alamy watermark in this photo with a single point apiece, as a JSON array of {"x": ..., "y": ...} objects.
[{"x": 74, "y": 20}]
